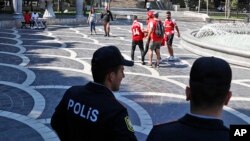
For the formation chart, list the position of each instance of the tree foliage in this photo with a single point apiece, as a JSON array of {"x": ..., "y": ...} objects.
[
  {"x": 234, "y": 4},
  {"x": 179, "y": 2}
]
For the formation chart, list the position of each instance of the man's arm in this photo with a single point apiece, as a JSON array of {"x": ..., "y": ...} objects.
[
  {"x": 178, "y": 32},
  {"x": 111, "y": 16},
  {"x": 102, "y": 15},
  {"x": 150, "y": 29},
  {"x": 122, "y": 127},
  {"x": 58, "y": 120}
]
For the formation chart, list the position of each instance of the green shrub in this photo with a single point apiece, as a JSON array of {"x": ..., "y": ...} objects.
[{"x": 179, "y": 2}]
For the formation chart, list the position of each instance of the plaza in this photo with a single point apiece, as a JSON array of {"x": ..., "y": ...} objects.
[{"x": 37, "y": 66}]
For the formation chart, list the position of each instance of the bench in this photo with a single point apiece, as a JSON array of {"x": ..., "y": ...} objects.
[
  {"x": 121, "y": 15},
  {"x": 24, "y": 24}
]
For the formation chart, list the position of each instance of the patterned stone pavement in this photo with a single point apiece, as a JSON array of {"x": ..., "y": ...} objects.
[{"x": 36, "y": 67}]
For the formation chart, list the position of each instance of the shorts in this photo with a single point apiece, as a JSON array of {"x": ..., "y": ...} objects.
[
  {"x": 169, "y": 39},
  {"x": 155, "y": 45}
]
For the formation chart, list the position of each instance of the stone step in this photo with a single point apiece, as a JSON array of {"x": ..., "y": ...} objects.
[{"x": 127, "y": 3}]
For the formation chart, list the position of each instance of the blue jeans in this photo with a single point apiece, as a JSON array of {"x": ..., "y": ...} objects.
[{"x": 92, "y": 26}]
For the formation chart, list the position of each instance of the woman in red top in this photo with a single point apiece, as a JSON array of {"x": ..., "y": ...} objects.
[{"x": 27, "y": 17}]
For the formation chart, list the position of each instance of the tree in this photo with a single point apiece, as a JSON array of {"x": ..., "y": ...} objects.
[
  {"x": 227, "y": 9},
  {"x": 234, "y": 4},
  {"x": 60, "y": 4}
]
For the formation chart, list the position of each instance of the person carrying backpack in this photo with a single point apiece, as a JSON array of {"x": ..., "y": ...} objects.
[
  {"x": 156, "y": 33},
  {"x": 169, "y": 25}
]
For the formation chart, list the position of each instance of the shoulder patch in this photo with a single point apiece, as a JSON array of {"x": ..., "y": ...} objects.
[{"x": 129, "y": 124}]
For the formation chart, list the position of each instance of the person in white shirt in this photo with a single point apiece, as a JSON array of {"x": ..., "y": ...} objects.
[
  {"x": 35, "y": 21},
  {"x": 92, "y": 20},
  {"x": 148, "y": 6}
]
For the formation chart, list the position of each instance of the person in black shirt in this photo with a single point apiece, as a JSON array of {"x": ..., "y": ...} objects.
[
  {"x": 91, "y": 112},
  {"x": 210, "y": 80},
  {"x": 106, "y": 17}
]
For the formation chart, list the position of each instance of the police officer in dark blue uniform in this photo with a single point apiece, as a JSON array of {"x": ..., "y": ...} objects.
[
  {"x": 209, "y": 91},
  {"x": 91, "y": 112}
]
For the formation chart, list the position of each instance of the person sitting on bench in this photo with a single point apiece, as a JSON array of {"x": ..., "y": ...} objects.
[
  {"x": 27, "y": 18},
  {"x": 36, "y": 21}
]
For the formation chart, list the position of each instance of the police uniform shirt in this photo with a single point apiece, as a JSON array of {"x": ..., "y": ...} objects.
[
  {"x": 91, "y": 113},
  {"x": 190, "y": 128}
]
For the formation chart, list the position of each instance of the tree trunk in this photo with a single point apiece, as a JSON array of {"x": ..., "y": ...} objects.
[
  {"x": 31, "y": 5},
  {"x": 61, "y": 6}
]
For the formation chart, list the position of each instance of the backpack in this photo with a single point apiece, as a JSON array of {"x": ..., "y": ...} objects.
[{"x": 159, "y": 30}]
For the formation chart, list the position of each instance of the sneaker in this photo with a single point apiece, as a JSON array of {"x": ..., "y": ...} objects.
[
  {"x": 156, "y": 65},
  {"x": 150, "y": 65},
  {"x": 176, "y": 58},
  {"x": 143, "y": 63},
  {"x": 160, "y": 61},
  {"x": 171, "y": 58}
]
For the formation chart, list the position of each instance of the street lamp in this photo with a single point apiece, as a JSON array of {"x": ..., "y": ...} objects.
[
  {"x": 207, "y": 7},
  {"x": 199, "y": 6}
]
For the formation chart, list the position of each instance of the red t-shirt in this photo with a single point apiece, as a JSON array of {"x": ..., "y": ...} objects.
[
  {"x": 153, "y": 35},
  {"x": 27, "y": 18},
  {"x": 169, "y": 26},
  {"x": 137, "y": 33}
]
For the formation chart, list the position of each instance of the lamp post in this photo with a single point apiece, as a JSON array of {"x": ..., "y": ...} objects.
[
  {"x": 199, "y": 6},
  {"x": 207, "y": 7},
  {"x": 79, "y": 8},
  {"x": 17, "y": 6}
]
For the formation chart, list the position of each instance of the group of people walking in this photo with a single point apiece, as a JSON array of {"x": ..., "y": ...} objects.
[
  {"x": 91, "y": 112},
  {"x": 156, "y": 34},
  {"x": 154, "y": 40},
  {"x": 106, "y": 17}
]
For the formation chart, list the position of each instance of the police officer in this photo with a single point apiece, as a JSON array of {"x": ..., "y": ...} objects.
[
  {"x": 91, "y": 112},
  {"x": 208, "y": 91}
]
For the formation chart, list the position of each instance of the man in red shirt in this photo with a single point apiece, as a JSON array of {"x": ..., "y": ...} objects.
[
  {"x": 137, "y": 38},
  {"x": 150, "y": 18},
  {"x": 169, "y": 25},
  {"x": 156, "y": 40}
]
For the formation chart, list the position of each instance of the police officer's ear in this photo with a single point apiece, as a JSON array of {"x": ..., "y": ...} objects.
[
  {"x": 188, "y": 93},
  {"x": 229, "y": 95},
  {"x": 111, "y": 76}
]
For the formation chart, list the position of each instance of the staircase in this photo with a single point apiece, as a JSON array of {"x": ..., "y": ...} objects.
[
  {"x": 136, "y": 4},
  {"x": 127, "y": 3}
]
